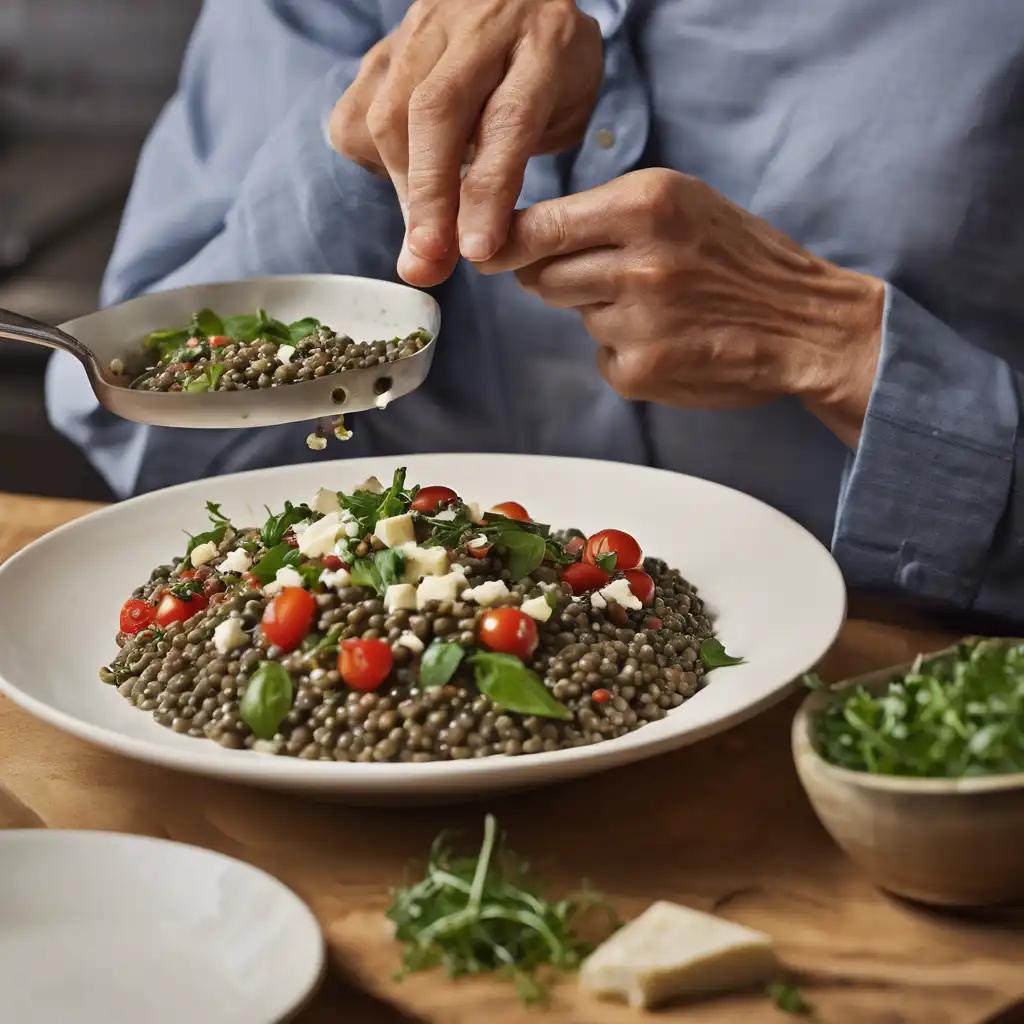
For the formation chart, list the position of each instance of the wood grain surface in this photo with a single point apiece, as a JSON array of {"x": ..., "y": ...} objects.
[{"x": 722, "y": 825}]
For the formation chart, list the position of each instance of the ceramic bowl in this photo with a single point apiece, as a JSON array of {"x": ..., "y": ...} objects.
[{"x": 949, "y": 842}]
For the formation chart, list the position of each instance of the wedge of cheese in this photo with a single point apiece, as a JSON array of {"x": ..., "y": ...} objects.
[{"x": 670, "y": 952}]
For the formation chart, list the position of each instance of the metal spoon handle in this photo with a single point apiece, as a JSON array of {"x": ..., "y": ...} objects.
[{"x": 24, "y": 328}]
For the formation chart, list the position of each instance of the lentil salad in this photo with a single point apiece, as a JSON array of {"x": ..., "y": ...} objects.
[{"x": 405, "y": 624}]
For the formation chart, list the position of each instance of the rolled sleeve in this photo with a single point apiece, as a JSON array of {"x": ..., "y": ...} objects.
[{"x": 925, "y": 494}]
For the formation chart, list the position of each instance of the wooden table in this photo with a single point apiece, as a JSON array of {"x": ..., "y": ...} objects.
[{"x": 721, "y": 825}]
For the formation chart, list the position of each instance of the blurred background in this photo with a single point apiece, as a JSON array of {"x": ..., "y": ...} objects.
[{"x": 81, "y": 81}]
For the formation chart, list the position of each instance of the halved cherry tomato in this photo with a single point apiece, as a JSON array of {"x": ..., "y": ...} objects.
[
  {"x": 429, "y": 500},
  {"x": 575, "y": 546},
  {"x": 136, "y": 616},
  {"x": 642, "y": 586},
  {"x": 581, "y": 577},
  {"x": 332, "y": 563},
  {"x": 187, "y": 574},
  {"x": 653, "y": 622},
  {"x": 219, "y": 340},
  {"x": 364, "y": 664},
  {"x": 291, "y": 540},
  {"x": 601, "y": 696},
  {"x": 512, "y": 510},
  {"x": 625, "y": 548},
  {"x": 479, "y": 547},
  {"x": 251, "y": 581},
  {"x": 509, "y": 631},
  {"x": 174, "y": 609},
  {"x": 287, "y": 618}
]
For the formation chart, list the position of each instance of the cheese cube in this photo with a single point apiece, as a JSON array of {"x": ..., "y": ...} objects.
[
  {"x": 370, "y": 484},
  {"x": 398, "y": 596},
  {"x": 671, "y": 951},
  {"x": 420, "y": 562},
  {"x": 487, "y": 594},
  {"x": 412, "y": 642},
  {"x": 537, "y": 608},
  {"x": 319, "y": 539},
  {"x": 229, "y": 635},
  {"x": 446, "y": 515},
  {"x": 238, "y": 560},
  {"x": 439, "y": 588},
  {"x": 396, "y": 530},
  {"x": 203, "y": 553},
  {"x": 326, "y": 502},
  {"x": 619, "y": 592}
]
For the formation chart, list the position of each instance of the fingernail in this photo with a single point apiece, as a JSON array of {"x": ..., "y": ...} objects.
[
  {"x": 476, "y": 247},
  {"x": 406, "y": 263},
  {"x": 426, "y": 242}
]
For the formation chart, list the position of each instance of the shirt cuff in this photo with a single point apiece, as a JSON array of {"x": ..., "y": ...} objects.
[{"x": 930, "y": 480}]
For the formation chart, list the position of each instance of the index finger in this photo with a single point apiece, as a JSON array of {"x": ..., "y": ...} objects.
[{"x": 555, "y": 227}]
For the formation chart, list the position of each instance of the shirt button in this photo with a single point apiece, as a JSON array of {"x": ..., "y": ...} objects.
[{"x": 605, "y": 138}]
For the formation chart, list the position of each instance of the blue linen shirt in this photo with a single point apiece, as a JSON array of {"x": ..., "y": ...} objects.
[{"x": 884, "y": 136}]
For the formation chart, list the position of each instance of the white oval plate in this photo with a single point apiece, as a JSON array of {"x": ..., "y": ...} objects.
[
  {"x": 98, "y": 928},
  {"x": 778, "y": 598}
]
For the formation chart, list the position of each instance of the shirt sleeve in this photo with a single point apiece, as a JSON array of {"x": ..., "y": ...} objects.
[
  {"x": 931, "y": 504},
  {"x": 238, "y": 180}
]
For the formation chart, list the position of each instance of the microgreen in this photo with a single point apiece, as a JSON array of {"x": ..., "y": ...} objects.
[
  {"x": 368, "y": 508},
  {"x": 380, "y": 571},
  {"x": 277, "y": 526}
]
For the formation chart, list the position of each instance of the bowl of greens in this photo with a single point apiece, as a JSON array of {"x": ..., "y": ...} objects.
[{"x": 917, "y": 772}]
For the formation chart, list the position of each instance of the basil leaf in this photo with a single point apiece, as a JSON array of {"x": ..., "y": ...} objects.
[
  {"x": 310, "y": 574},
  {"x": 165, "y": 343},
  {"x": 242, "y": 328},
  {"x": 439, "y": 662},
  {"x": 277, "y": 526},
  {"x": 266, "y": 569},
  {"x": 267, "y": 699},
  {"x": 303, "y": 328},
  {"x": 713, "y": 654},
  {"x": 551, "y": 599},
  {"x": 209, "y": 379},
  {"x": 607, "y": 561},
  {"x": 206, "y": 323},
  {"x": 508, "y": 682},
  {"x": 216, "y": 535},
  {"x": 524, "y": 551},
  {"x": 380, "y": 571}
]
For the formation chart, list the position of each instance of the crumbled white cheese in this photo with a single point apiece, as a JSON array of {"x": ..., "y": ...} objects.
[
  {"x": 439, "y": 588},
  {"x": 285, "y": 353},
  {"x": 474, "y": 513},
  {"x": 319, "y": 539},
  {"x": 488, "y": 593},
  {"x": 370, "y": 484},
  {"x": 336, "y": 580},
  {"x": 619, "y": 592},
  {"x": 412, "y": 641},
  {"x": 203, "y": 553},
  {"x": 420, "y": 562},
  {"x": 537, "y": 608},
  {"x": 671, "y": 951},
  {"x": 597, "y": 601},
  {"x": 238, "y": 560},
  {"x": 229, "y": 635},
  {"x": 446, "y": 515},
  {"x": 353, "y": 529},
  {"x": 300, "y": 528},
  {"x": 286, "y": 577},
  {"x": 399, "y": 595},
  {"x": 396, "y": 530},
  {"x": 326, "y": 502}
]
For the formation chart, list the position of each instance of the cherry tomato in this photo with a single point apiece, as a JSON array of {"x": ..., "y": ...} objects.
[
  {"x": 429, "y": 500},
  {"x": 137, "y": 615},
  {"x": 187, "y": 574},
  {"x": 364, "y": 664},
  {"x": 219, "y": 340},
  {"x": 512, "y": 510},
  {"x": 581, "y": 577},
  {"x": 600, "y": 696},
  {"x": 575, "y": 547},
  {"x": 291, "y": 540},
  {"x": 626, "y": 550},
  {"x": 251, "y": 581},
  {"x": 332, "y": 563},
  {"x": 174, "y": 609},
  {"x": 478, "y": 548},
  {"x": 192, "y": 343},
  {"x": 509, "y": 631},
  {"x": 642, "y": 586},
  {"x": 287, "y": 618}
]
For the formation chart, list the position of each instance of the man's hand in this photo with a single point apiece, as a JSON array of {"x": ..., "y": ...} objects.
[
  {"x": 497, "y": 80},
  {"x": 697, "y": 303}
]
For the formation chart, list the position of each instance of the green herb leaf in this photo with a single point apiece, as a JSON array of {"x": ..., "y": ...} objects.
[
  {"x": 277, "y": 526},
  {"x": 712, "y": 654},
  {"x": 368, "y": 508},
  {"x": 607, "y": 561},
  {"x": 557, "y": 555},
  {"x": 275, "y": 559},
  {"x": 508, "y": 682},
  {"x": 551, "y": 599},
  {"x": 216, "y": 516},
  {"x": 380, "y": 571},
  {"x": 395, "y": 501},
  {"x": 267, "y": 699},
  {"x": 789, "y": 999},
  {"x": 523, "y": 552},
  {"x": 216, "y": 535},
  {"x": 439, "y": 663},
  {"x": 209, "y": 378},
  {"x": 327, "y": 644},
  {"x": 244, "y": 327},
  {"x": 184, "y": 590},
  {"x": 303, "y": 328},
  {"x": 206, "y": 324},
  {"x": 165, "y": 343}
]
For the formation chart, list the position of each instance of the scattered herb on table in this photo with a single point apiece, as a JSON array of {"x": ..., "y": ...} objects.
[
  {"x": 789, "y": 999},
  {"x": 485, "y": 914},
  {"x": 952, "y": 716}
]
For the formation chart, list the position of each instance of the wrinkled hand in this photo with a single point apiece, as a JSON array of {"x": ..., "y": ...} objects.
[
  {"x": 497, "y": 80},
  {"x": 697, "y": 303}
]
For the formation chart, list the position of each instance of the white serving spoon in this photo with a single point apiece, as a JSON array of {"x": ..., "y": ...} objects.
[{"x": 363, "y": 308}]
